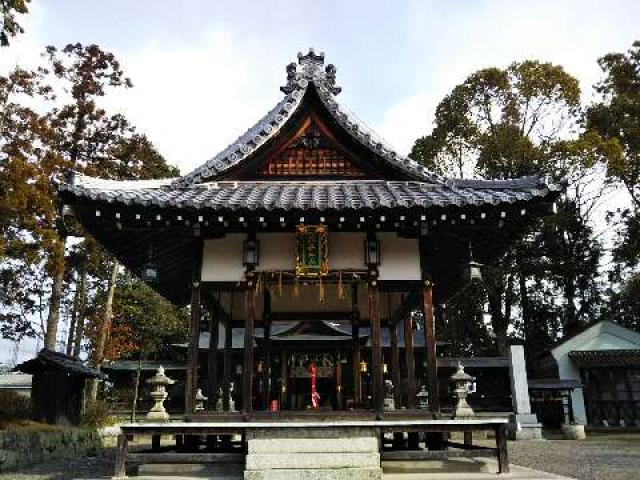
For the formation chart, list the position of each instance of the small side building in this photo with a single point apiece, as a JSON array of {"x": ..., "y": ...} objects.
[
  {"x": 58, "y": 383},
  {"x": 605, "y": 360}
]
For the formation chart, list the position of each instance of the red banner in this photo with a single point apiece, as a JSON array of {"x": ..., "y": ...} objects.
[{"x": 315, "y": 396}]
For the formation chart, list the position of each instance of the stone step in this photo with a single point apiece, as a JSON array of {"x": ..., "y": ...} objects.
[
  {"x": 265, "y": 461},
  {"x": 313, "y": 445},
  {"x": 316, "y": 474}
]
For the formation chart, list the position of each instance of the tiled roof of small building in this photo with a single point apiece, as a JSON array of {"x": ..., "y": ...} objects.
[
  {"x": 606, "y": 358},
  {"x": 319, "y": 195},
  {"x": 47, "y": 360}
]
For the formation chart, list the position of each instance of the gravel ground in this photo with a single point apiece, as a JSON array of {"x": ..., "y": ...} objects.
[{"x": 600, "y": 457}]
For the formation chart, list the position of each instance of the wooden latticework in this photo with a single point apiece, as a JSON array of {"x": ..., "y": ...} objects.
[{"x": 311, "y": 153}]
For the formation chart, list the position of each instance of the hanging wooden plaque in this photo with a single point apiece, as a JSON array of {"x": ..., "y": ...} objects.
[{"x": 312, "y": 257}]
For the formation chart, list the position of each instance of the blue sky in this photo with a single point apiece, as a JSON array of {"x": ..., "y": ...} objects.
[{"x": 204, "y": 71}]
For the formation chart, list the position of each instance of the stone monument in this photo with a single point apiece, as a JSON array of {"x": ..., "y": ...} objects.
[
  {"x": 523, "y": 425},
  {"x": 389, "y": 402},
  {"x": 200, "y": 399},
  {"x": 159, "y": 394}
]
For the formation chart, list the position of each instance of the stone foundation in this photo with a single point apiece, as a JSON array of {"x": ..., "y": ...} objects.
[
  {"x": 313, "y": 454},
  {"x": 524, "y": 427}
]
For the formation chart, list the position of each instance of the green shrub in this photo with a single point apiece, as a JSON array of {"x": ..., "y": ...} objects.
[
  {"x": 97, "y": 414},
  {"x": 14, "y": 406}
]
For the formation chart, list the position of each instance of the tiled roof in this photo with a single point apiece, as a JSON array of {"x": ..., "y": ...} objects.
[
  {"x": 49, "y": 360},
  {"x": 320, "y": 195},
  {"x": 605, "y": 358},
  {"x": 310, "y": 72}
]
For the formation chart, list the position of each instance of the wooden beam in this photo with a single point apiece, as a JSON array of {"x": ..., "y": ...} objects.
[
  {"x": 376, "y": 350},
  {"x": 417, "y": 455},
  {"x": 181, "y": 458},
  {"x": 247, "y": 372},
  {"x": 192, "y": 354}
]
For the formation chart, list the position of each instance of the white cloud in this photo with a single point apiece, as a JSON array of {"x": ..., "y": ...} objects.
[
  {"x": 192, "y": 101},
  {"x": 407, "y": 120}
]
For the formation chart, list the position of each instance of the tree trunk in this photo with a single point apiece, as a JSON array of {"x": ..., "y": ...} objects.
[
  {"x": 53, "y": 318},
  {"x": 498, "y": 322},
  {"x": 80, "y": 311},
  {"x": 74, "y": 318},
  {"x": 105, "y": 323}
]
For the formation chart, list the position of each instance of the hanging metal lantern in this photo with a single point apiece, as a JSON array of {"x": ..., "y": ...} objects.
[
  {"x": 251, "y": 252},
  {"x": 149, "y": 273},
  {"x": 474, "y": 271},
  {"x": 363, "y": 367},
  {"x": 372, "y": 252}
]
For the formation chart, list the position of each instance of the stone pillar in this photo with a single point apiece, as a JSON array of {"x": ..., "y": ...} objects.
[{"x": 523, "y": 425}]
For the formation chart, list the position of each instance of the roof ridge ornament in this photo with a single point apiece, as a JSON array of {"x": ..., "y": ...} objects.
[{"x": 310, "y": 69}]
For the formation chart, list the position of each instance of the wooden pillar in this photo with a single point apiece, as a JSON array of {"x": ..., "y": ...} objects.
[
  {"x": 501, "y": 445},
  {"x": 338, "y": 380},
  {"x": 212, "y": 360},
  {"x": 120, "y": 470},
  {"x": 192, "y": 354},
  {"x": 284, "y": 375},
  {"x": 355, "y": 343},
  {"x": 376, "y": 350},
  {"x": 410, "y": 361},
  {"x": 430, "y": 343},
  {"x": 226, "y": 368},
  {"x": 266, "y": 369},
  {"x": 247, "y": 371},
  {"x": 395, "y": 365}
]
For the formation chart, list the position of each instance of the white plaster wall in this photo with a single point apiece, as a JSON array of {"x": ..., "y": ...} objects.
[
  {"x": 400, "y": 257},
  {"x": 222, "y": 258},
  {"x": 277, "y": 251},
  {"x": 346, "y": 251},
  {"x": 602, "y": 336}
]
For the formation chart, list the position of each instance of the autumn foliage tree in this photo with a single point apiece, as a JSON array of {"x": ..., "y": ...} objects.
[{"x": 69, "y": 131}]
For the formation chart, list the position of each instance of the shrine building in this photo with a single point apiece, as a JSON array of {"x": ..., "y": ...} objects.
[{"x": 317, "y": 241}]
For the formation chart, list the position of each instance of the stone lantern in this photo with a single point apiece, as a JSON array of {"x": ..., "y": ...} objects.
[
  {"x": 461, "y": 381},
  {"x": 159, "y": 394},
  {"x": 423, "y": 398}
]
